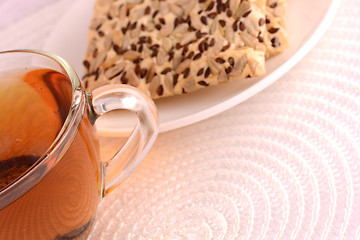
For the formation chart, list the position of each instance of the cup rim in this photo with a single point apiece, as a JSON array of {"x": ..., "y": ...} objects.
[{"x": 62, "y": 141}]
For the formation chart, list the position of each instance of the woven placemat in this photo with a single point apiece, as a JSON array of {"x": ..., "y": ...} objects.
[{"x": 283, "y": 165}]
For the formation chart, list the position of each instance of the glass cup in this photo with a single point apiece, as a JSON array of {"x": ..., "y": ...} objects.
[{"x": 51, "y": 175}]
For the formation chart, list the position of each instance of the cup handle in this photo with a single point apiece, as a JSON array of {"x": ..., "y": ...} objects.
[{"x": 114, "y": 97}]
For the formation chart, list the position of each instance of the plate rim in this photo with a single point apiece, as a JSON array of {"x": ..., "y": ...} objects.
[
  {"x": 253, "y": 90},
  {"x": 246, "y": 94}
]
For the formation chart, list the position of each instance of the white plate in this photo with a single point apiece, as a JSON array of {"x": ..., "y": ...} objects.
[{"x": 307, "y": 21}]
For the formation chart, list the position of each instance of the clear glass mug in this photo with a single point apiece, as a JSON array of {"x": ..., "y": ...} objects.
[{"x": 51, "y": 176}]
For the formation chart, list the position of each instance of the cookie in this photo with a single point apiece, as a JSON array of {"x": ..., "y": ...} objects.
[{"x": 173, "y": 47}]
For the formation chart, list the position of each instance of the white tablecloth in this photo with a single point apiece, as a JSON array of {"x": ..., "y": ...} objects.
[{"x": 284, "y": 164}]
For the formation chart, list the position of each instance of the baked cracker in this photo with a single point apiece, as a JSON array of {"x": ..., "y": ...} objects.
[
  {"x": 276, "y": 39},
  {"x": 173, "y": 47}
]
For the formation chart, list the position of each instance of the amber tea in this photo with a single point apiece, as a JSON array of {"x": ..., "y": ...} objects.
[
  {"x": 34, "y": 105},
  {"x": 51, "y": 176}
]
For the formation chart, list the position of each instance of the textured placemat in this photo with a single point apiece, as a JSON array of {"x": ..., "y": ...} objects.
[{"x": 285, "y": 164}]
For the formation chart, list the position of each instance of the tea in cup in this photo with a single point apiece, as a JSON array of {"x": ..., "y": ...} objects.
[{"x": 51, "y": 175}]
